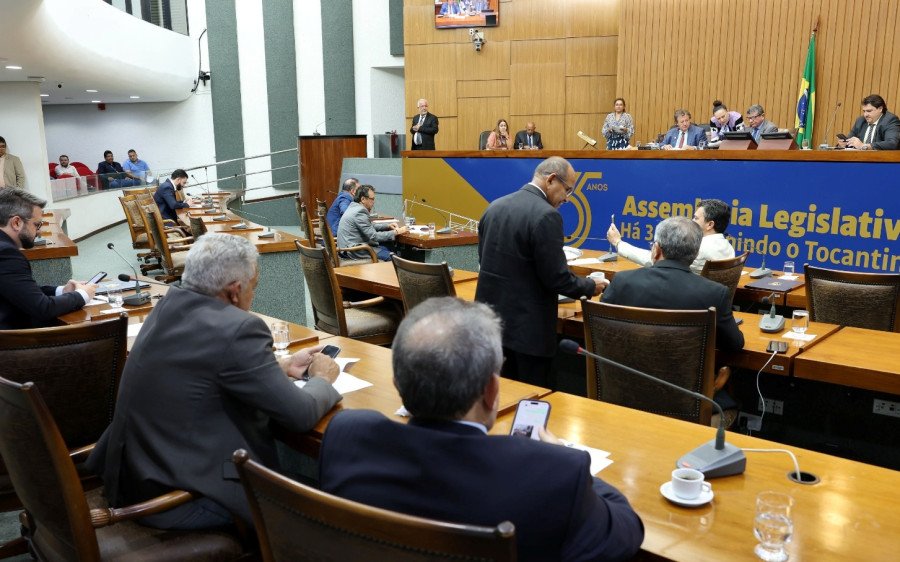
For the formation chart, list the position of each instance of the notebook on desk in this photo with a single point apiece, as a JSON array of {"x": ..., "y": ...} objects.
[{"x": 775, "y": 284}]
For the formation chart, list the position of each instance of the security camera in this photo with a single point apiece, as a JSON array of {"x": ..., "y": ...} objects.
[
  {"x": 59, "y": 85},
  {"x": 477, "y": 38}
]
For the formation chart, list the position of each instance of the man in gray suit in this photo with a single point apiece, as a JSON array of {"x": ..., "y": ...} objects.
[
  {"x": 200, "y": 382},
  {"x": 356, "y": 227},
  {"x": 756, "y": 117}
]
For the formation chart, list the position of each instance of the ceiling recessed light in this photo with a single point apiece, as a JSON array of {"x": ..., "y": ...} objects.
[
  {"x": 45, "y": 95},
  {"x": 96, "y": 101},
  {"x": 13, "y": 67},
  {"x": 135, "y": 97},
  {"x": 91, "y": 91}
]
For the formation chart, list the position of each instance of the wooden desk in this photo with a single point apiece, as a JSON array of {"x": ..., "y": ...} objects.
[
  {"x": 850, "y": 515},
  {"x": 375, "y": 367},
  {"x": 460, "y": 238},
  {"x": 856, "y": 357},
  {"x": 381, "y": 279}
]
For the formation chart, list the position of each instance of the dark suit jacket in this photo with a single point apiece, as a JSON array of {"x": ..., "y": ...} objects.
[
  {"x": 200, "y": 382},
  {"x": 523, "y": 269},
  {"x": 166, "y": 201},
  {"x": 887, "y": 133},
  {"x": 694, "y": 134},
  {"x": 24, "y": 304},
  {"x": 454, "y": 472},
  {"x": 672, "y": 285},
  {"x": 522, "y": 139},
  {"x": 428, "y": 129}
]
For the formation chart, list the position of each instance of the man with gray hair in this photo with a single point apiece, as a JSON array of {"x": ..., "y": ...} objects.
[
  {"x": 670, "y": 284},
  {"x": 24, "y": 303},
  {"x": 756, "y": 118},
  {"x": 201, "y": 381},
  {"x": 523, "y": 269},
  {"x": 446, "y": 357}
]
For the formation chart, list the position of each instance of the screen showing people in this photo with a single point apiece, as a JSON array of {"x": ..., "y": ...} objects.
[
  {"x": 530, "y": 415},
  {"x": 466, "y": 13}
]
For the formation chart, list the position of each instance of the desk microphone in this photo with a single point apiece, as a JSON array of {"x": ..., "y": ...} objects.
[
  {"x": 714, "y": 459},
  {"x": 126, "y": 278},
  {"x": 446, "y": 229},
  {"x": 830, "y": 125},
  {"x": 316, "y": 132},
  {"x": 139, "y": 297},
  {"x": 771, "y": 323},
  {"x": 208, "y": 196},
  {"x": 763, "y": 271}
]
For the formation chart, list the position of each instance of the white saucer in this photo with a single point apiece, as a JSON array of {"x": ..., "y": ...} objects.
[{"x": 704, "y": 498}]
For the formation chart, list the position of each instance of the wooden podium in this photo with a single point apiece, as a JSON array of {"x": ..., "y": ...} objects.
[{"x": 321, "y": 160}]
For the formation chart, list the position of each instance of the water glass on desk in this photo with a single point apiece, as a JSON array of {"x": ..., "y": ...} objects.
[
  {"x": 114, "y": 294},
  {"x": 281, "y": 337},
  {"x": 772, "y": 525},
  {"x": 431, "y": 230},
  {"x": 410, "y": 221},
  {"x": 800, "y": 321},
  {"x": 788, "y": 268}
]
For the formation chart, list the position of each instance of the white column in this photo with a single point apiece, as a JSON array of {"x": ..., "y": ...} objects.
[{"x": 22, "y": 125}]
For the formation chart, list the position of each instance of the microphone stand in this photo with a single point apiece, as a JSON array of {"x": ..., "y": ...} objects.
[
  {"x": 830, "y": 125},
  {"x": 714, "y": 459},
  {"x": 139, "y": 297}
]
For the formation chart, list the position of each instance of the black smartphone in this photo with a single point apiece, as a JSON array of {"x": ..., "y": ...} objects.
[
  {"x": 841, "y": 136},
  {"x": 530, "y": 415},
  {"x": 331, "y": 351},
  {"x": 98, "y": 277},
  {"x": 776, "y": 346}
]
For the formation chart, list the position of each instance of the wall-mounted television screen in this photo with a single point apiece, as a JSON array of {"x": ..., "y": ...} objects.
[{"x": 466, "y": 13}]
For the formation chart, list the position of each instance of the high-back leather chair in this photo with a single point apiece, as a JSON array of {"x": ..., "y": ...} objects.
[
  {"x": 861, "y": 300},
  {"x": 309, "y": 225},
  {"x": 295, "y": 522},
  {"x": 171, "y": 250},
  {"x": 676, "y": 345},
  {"x": 726, "y": 272},
  {"x": 198, "y": 227},
  {"x": 421, "y": 281},
  {"x": 58, "y": 521},
  {"x": 334, "y": 252},
  {"x": 482, "y": 139},
  {"x": 77, "y": 368},
  {"x": 373, "y": 320}
]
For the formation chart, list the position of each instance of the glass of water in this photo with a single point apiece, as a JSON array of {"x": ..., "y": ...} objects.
[
  {"x": 115, "y": 297},
  {"x": 281, "y": 337},
  {"x": 772, "y": 525},
  {"x": 788, "y": 268},
  {"x": 410, "y": 221},
  {"x": 431, "y": 230},
  {"x": 800, "y": 321},
  {"x": 805, "y": 144}
]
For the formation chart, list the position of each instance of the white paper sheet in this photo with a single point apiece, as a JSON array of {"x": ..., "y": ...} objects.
[
  {"x": 134, "y": 329},
  {"x": 584, "y": 261},
  {"x": 792, "y": 335},
  {"x": 599, "y": 458},
  {"x": 345, "y": 383}
]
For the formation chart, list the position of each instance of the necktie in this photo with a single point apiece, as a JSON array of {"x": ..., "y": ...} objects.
[
  {"x": 756, "y": 135},
  {"x": 870, "y": 132},
  {"x": 680, "y": 139},
  {"x": 530, "y": 143},
  {"x": 418, "y": 138}
]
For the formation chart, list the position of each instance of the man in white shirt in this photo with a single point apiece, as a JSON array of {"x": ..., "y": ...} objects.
[
  {"x": 63, "y": 168},
  {"x": 713, "y": 216}
]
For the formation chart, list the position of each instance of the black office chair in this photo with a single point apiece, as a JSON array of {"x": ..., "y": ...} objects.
[{"x": 482, "y": 139}]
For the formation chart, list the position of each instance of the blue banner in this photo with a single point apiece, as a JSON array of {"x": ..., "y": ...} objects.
[{"x": 845, "y": 216}]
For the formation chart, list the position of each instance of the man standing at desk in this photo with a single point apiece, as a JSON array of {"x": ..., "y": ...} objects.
[
  {"x": 23, "y": 303},
  {"x": 200, "y": 382},
  {"x": 713, "y": 216},
  {"x": 876, "y": 129},
  {"x": 669, "y": 283},
  {"x": 523, "y": 269},
  {"x": 424, "y": 127},
  {"x": 443, "y": 465},
  {"x": 165, "y": 195}
]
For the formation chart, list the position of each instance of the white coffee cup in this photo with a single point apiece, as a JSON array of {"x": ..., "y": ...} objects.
[
  {"x": 597, "y": 276},
  {"x": 687, "y": 483}
]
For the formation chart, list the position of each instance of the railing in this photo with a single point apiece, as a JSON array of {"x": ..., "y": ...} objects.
[
  {"x": 168, "y": 14},
  {"x": 70, "y": 187}
]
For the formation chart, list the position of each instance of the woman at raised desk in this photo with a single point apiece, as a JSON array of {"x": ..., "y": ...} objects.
[
  {"x": 499, "y": 137},
  {"x": 618, "y": 128},
  {"x": 723, "y": 121}
]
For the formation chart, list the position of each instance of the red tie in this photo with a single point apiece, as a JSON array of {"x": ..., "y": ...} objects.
[{"x": 681, "y": 139}]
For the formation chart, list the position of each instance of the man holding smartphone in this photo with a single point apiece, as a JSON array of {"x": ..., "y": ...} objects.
[{"x": 446, "y": 358}]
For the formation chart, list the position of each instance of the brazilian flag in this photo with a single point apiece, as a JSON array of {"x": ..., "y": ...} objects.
[{"x": 806, "y": 101}]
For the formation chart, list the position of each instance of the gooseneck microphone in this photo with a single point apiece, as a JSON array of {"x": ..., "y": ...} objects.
[
  {"x": 208, "y": 199},
  {"x": 830, "y": 125},
  {"x": 446, "y": 229},
  {"x": 125, "y": 277},
  {"x": 138, "y": 298},
  {"x": 714, "y": 459}
]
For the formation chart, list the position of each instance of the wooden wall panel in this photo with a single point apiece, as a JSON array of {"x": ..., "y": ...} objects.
[
  {"x": 592, "y": 18},
  {"x": 536, "y": 19},
  {"x": 669, "y": 57},
  {"x": 480, "y": 114},
  {"x": 590, "y": 94},
  {"x": 482, "y": 89},
  {"x": 489, "y": 64},
  {"x": 431, "y": 73},
  {"x": 586, "y": 56},
  {"x": 538, "y": 75},
  {"x": 590, "y": 123}
]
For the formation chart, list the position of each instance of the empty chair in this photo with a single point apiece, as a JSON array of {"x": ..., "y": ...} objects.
[
  {"x": 60, "y": 521},
  {"x": 171, "y": 250},
  {"x": 309, "y": 225},
  {"x": 297, "y": 522},
  {"x": 77, "y": 369},
  {"x": 676, "y": 345},
  {"x": 726, "y": 272},
  {"x": 861, "y": 300},
  {"x": 373, "y": 320},
  {"x": 139, "y": 240},
  {"x": 421, "y": 281}
]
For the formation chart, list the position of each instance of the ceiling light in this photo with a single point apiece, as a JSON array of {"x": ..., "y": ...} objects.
[
  {"x": 135, "y": 97},
  {"x": 96, "y": 101},
  {"x": 91, "y": 91},
  {"x": 45, "y": 95},
  {"x": 13, "y": 67}
]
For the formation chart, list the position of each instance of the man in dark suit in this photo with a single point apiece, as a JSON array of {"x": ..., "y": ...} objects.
[
  {"x": 523, "y": 269},
  {"x": 876, "y": 129},
  {"x": 165, "y": 195},
  {"x": 684, "y": 135},
  {"x": 443, "y": 465},
  {"x": 23, "y": 303},
  {"x": 756, "y": 118},
  {"x": 424, "y": 127},
  {"x": 200, "y": 382},
  {"x": 670, "y": 284},
  {"x": 529, "y": 139}
]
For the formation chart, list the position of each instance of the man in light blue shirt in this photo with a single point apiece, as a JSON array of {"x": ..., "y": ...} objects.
[{"x": 136, "y": 168}]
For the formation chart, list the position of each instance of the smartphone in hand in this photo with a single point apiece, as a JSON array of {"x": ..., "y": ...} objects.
[
  {"x": 530, "y": 415},
  {"x": 331, "y": 351},
  {"x": 98, "y": 277}
]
